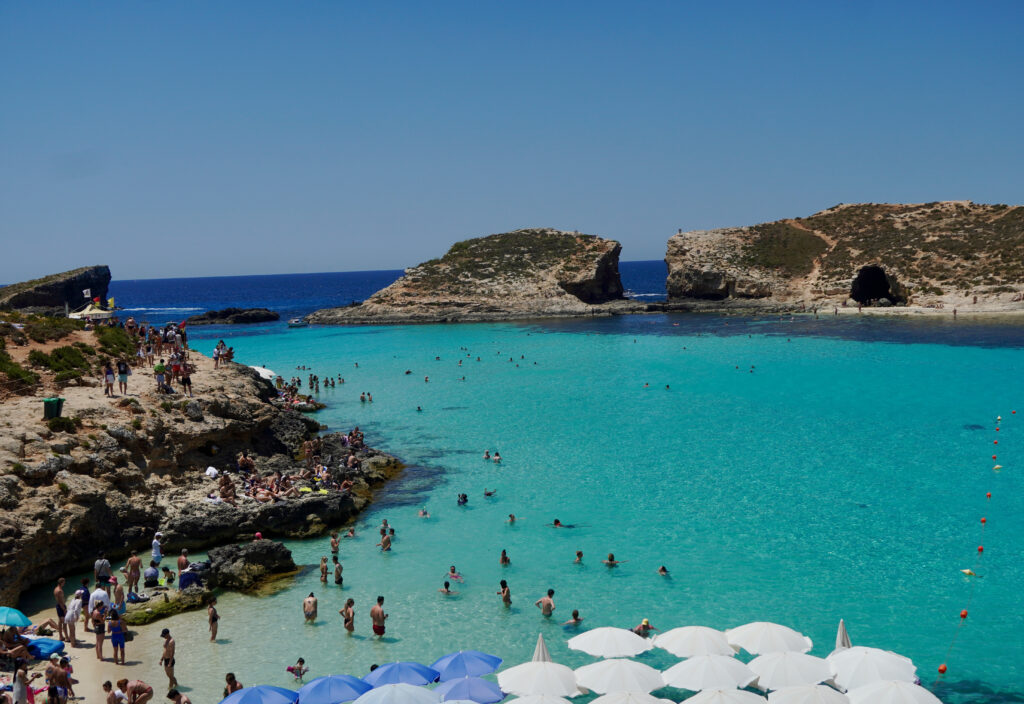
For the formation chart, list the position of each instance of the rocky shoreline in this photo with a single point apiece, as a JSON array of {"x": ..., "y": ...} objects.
[{"x": 136, "y": 464}]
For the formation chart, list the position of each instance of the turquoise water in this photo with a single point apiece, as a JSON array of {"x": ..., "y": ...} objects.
[{"x": 796, "y": 479}]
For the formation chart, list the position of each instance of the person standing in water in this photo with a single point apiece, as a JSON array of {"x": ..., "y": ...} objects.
[
  {"x": 348, "y": 616},
  {"x": 212, "y": 618},
  {"x": 337, "y": 571},
  {"x": 378, "y": 617},
  {"x": 505, "y": 593},
  {"x": 546, "y": 604},
  {"x": 323, "y": 569},
  {"x": 504, "y": 560},
  {"x": 309, "y": 608}
]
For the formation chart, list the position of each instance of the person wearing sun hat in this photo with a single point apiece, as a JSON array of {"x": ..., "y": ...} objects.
[{"x": 644, "y": 628}]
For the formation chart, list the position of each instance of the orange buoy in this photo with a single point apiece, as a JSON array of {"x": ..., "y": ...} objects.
[
  {"x": 993, "y": 456},
  {"x": 942, "y": 669},
  {"x": 995, "y": 442},
  {"x": 981, "y": 548},
  {"x": 963, "y": 614},
  {"x": 983, "y": 520},
  {"x": 988, "y": 495}
]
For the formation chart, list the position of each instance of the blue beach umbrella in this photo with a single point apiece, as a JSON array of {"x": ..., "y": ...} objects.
[
  {"x": 261, "y": 694},
  {"x": 471, "y": 688},
  {"x": 333, "y": 689},
  {"x": 13, "y": 617},
  {"x": 399, "y": 694},
  {"x": 401, "y": 673},
  {"x": 466, "y": 663}
]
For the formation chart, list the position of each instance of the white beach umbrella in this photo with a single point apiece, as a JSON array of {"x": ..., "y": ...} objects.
[
  {"x": 861, "y": 665},
  {"x": 688, "y": 641},
  {"x": 609, "y": 642},
  {"x": 726, "y": 696},
  {"x": 630, "y": 698},
  {"x": 399, "y": 694},
  {"x": 807, "y": 694},
  {"x": 788, "y": 669},
  {"x": 892, "y": 692},
  {"x": 762, "y": 637},
  {"x": 709, "y": 672},
  {"x": 538, "y": 699},
  {"x": 540, "y": 652},
  {"x": 618, "y": 675},
  {"x": 842, "y": 638},
  {"x": 539, "y": 678}
]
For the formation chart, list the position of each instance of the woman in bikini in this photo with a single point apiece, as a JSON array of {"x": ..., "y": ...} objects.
[
  {"x": 212, "y": 617},
  {"x": 348, "y": 614},
  {"x": 323, "y": 569}
]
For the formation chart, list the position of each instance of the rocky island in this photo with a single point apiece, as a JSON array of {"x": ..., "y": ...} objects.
[
  {"x": 529, "y": 273},
  {"x": 931, "y": 255},
  {"x": 234, "y": 316}
]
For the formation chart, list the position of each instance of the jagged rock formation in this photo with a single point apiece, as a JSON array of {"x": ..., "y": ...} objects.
[
  {"x": 234, "y": 316},
  {"x": 51, "y": 293},
  {"x": 527, "y": 273},
  {"x": 871, "y": 253},
  {"x": 244, "y": 566},
  {"x": 137, "y": 465}
]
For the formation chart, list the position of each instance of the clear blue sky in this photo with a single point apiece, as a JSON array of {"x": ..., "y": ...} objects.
[{"x": 205, "y": 138}]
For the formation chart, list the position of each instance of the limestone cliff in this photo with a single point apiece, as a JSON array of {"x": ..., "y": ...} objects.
[
  {"x": 50, "y": 293},
  {"x": 527, "y": 273},
  {"x": 129, "y": 466},
  {"x": 929, "y": 254}
]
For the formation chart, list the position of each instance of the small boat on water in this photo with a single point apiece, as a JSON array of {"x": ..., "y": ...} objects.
[{"x": 297, "y": 323}]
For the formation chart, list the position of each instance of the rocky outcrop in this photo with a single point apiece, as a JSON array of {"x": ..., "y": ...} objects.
[
  {"x": 234, "y": 316},
  {"x": 51, "y": 293},
  {"x": 530, "y": 273},
  {"x": 244, "y": 566},
  {"x": 873, "y": 254},
  {"x": 132, "y": 469}
]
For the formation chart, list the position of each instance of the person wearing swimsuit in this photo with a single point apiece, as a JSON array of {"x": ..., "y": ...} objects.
[
  {"x": 211, "y": 613},
  {"x": 116, "y": 630},
  {"x": 349, "y": 615}
]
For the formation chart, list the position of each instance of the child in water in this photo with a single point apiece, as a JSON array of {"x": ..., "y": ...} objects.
[{"x": 298, "y": 669}]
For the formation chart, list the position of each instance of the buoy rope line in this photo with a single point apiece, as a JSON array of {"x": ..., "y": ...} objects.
[{"x": 973, "y": 572}]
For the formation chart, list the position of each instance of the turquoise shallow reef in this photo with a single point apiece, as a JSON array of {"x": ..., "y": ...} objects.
[
  {"x": 798, "y": 472},
  {"x": 794, "y": 471}
]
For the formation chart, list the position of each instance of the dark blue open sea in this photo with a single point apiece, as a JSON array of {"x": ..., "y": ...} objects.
[{"x": 292, "y": 295}]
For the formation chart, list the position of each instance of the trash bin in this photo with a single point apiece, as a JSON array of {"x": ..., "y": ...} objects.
[{"x": 52, "y": 407}]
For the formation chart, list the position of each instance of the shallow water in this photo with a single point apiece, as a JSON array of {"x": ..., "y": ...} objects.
[{"x": 808, "y": 472}]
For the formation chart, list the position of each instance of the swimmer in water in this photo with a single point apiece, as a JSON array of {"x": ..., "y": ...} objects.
[
  {"x": 546, "y": 604},
  {"x": 611, "y": 561},
  {"x": 463, "y": 499},
  {"x": 505, "y": 593},
  {"x": 504, "y": 560},
  {"x": 558, "y": 524},
  {"x": 489, "y": 493},
  {"x": 511, "y": 518},
  {"x": 351, "y": 533},
  {"x": 579, "y": 558},
  {"x": 497, "y": 457},
  {"x": 575, "y": 620},
  {"x": 663, "y": 571},
  {"x": 453, "y": 574},
  {"x": 487, "y": 454},
  {"x": 424, "y": 513},
  {"x": 446, "y": 589}
]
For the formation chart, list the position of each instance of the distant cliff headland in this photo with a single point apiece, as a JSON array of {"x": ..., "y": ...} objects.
[
  {"x": 530, "y": 273},
  {"x": 50, "y": 294},
  {"x": 943, "y": 253},
  {"x": 907, "y": 257}
]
